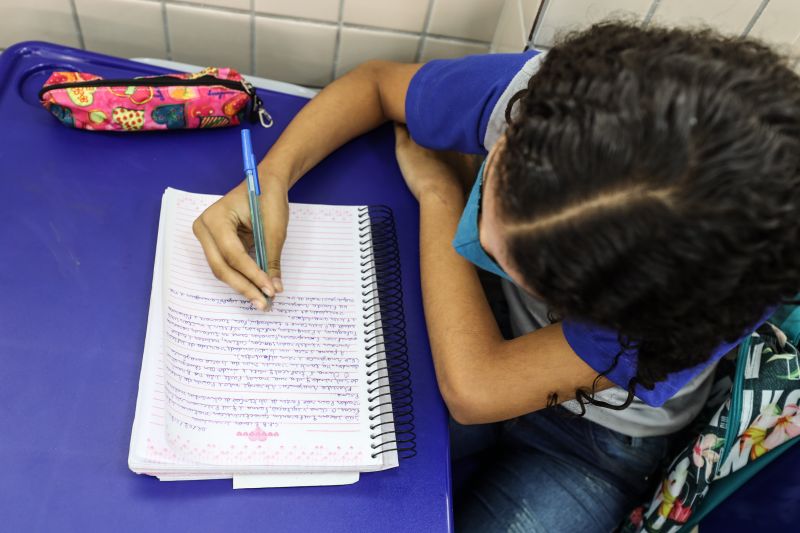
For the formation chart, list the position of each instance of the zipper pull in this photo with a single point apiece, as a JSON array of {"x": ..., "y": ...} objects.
[
  {"x": 263, "y": 117},
  {"x": 257, "y": 106},
  {"x": 248, "y": 87}
]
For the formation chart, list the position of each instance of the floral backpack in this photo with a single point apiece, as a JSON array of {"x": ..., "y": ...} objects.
[{"x": 752, "y": 416}]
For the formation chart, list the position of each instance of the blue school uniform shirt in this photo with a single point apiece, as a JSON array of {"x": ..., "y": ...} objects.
[{"x": 452, "y": 104}]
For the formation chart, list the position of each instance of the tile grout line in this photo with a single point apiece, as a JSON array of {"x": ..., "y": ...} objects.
[
  {"x": 338, "y": 44},
  {"x": 757, "y": 15},
  {"x": 76, "y": 19},
  {"x": 534, "y": 24},
  {"x": 305, "y": 20},
  {"x": 378, "y": 29},
  {"x": 423, "y": 35},
  {"x": 537, "y": 22},
  {"x": 167, "y": 44},
  {"x": 253, "y": 37},
  {"x": 650, "y": 12}
]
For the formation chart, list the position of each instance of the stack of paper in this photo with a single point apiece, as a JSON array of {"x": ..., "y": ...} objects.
[{"x": 276, "y": 398}]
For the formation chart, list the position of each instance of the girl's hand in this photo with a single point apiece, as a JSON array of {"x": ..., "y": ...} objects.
[
  {"x": 426, "y": 171},
  {"x": 226, "y": 234}
]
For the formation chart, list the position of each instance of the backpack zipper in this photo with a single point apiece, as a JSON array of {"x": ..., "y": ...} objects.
[{"x": 257, "y": 111}]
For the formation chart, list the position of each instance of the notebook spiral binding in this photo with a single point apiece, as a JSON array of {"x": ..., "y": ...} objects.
[{"x": 388, "y": 372}]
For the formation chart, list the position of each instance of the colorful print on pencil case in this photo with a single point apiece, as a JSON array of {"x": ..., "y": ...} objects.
[
  {"x": 137, "y": 95},
  {"x": 81, "y": 96},
  {"x": 129, "y": 119},
  {"x": 206, "y": 114},
  {"x": 139, "y": 108},
  {"x": 171, "y": 115},
  {"x": 63, "y": 114}
]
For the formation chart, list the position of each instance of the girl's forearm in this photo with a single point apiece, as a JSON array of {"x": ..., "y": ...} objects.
[
  {"x": 460, "y": 323},
  {"x": 357, "y": 102}
]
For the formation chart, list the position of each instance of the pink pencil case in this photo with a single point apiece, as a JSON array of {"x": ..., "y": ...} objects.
[{"x": 211, "y": 98}]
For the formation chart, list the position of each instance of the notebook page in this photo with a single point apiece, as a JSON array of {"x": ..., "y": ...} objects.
[
  {"x": 284, "y": 388},
  {"x": 148, "y": 437},
  {"x": 294, "y": 479},
  {"x": 149, "y": 451}
]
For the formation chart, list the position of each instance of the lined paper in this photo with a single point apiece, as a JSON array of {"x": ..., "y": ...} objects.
[
  {"x": 286, "y": 387},
  {"x": 269, "y": 399}
]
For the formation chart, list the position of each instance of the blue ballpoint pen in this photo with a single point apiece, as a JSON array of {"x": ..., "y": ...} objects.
[{"x": 253, "y": 193}]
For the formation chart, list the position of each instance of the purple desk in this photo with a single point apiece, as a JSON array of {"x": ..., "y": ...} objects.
[{"x": 77, "y": 234}]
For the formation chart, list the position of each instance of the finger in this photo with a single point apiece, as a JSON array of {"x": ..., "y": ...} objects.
[
  {"x": 400, "y": 133},
  {"x": 223, "y": 272},
  {"x": 235, "y": 255},
  {"x": 275, "y": 212}
]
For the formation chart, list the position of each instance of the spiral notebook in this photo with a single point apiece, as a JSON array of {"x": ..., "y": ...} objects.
[{"x": 313, "y": 392}]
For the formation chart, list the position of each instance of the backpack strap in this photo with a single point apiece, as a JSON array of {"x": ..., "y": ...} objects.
[{"x": 787, "y": 319}]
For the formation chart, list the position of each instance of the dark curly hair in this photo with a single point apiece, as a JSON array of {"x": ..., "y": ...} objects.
[{"x": 650, "y": 183}]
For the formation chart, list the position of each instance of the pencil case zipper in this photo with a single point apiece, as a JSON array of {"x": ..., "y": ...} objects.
[{"x": 257, "y": 111}]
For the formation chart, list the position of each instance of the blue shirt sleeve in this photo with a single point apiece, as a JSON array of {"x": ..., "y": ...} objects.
[
  {"x": 449, "y": 101},
  {"x": 599, "y": 346}
]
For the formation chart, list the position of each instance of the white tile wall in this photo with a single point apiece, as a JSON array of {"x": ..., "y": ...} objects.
[
  {"x": 511, "y": 33},
  {"x": 468, "y": 19},
  {"x": 779, "y": 22},
  {"x": 564, "y": 16},
  {"x": 327, "y": 10},
  {"x": 529, "y": 10},
  {"x": 310, "y": 41},
  {"x": 435, "y": 48},
  {"x": 233, "y": 4},
  {"x": 359, "y": 45},
  {"x": 729, "y": 16},
  {"x": 209, "y": 37},
  {"x": 294, "y": 51},
  {"x": 41, "y": 20},
  {"x": 127, "y": 28},
  {"x": 408, "y": 15}
]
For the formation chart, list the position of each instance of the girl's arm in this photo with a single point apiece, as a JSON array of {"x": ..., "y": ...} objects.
[
  {"x": 482, "y": 377},
  {"x": 359, "y": 101}
]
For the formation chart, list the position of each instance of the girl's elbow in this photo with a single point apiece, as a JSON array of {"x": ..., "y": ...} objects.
[
  {"x": 465, "y": 418},
  {"x": 464, "y": 404}
]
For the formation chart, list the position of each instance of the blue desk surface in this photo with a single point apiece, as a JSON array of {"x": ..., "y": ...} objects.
[{"x": 77, "y": 236}]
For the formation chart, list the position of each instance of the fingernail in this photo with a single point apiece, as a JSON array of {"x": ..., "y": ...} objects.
[
  {"x": 258, "y": 304},
  {"x": 267, "y": 291},
  {"x": 278, "y": 284}
]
